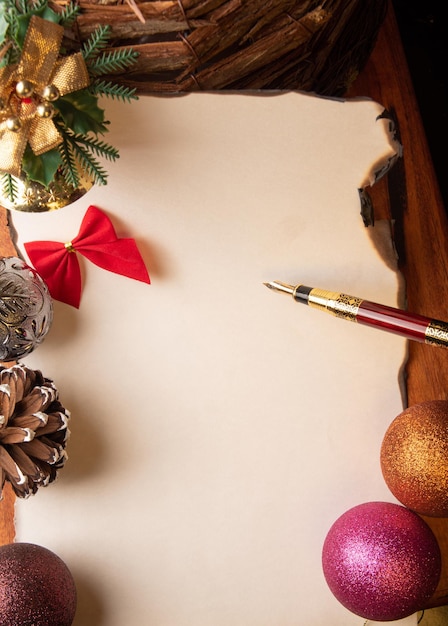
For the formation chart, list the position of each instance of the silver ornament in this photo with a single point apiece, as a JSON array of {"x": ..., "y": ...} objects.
[{"x": 26, "y": 309}]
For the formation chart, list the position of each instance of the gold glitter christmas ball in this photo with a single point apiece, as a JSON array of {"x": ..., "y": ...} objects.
[{"x": 414, "y": 458}]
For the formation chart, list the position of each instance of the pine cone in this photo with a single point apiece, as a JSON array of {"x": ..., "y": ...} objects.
[{"x": 33, "y": 430}]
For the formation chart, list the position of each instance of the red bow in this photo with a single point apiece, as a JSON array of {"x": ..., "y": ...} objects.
[{"x": 97, "y": 241}]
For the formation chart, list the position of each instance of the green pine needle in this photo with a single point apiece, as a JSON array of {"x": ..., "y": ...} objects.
[
  {"x": 112, "y": 90},
  {"x": 69, "y": 14},
  {"x": 81, "y": 149},
  {"x": 10, "y": 26},
  {"x": 69, "y": 168},
  {"x": 90, "y": 164},
  {"x": 114, "y": 61},
  {"x": 97, "y": 41},
  {"x": 92, "y": 144},
  {"x": 95, "y": 146},
  {"x": 22, "y": 7},
  {"x": 36, "y": 6},
  {"x": 9, "y": 186}
]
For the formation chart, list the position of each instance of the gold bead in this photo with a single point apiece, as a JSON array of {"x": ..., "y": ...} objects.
[
  {"x": 50, "y": 93},
  {"x": 45, "y": 110},
  {"x": 13, "y": 124},
  {"x": 24, "y": 88}
]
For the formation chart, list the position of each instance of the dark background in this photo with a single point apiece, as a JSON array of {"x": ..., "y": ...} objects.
[{"x": 424, "y": 35}]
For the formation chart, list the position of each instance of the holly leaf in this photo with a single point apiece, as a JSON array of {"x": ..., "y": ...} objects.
[
  {"x": 43, "y": 168},
  {"x": 81, "y": 113},
  {"x": 50, "y": 15},
  {"x": 23, "y": 21}
]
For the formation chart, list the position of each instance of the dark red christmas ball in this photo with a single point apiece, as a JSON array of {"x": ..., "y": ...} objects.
[{"x": 36, "y": 587}]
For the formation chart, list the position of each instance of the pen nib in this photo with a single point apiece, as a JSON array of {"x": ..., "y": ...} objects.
[{"x": 278, "y": 286}]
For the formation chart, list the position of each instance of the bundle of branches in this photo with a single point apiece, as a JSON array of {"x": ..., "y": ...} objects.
[{"x": 191, "y": 45}]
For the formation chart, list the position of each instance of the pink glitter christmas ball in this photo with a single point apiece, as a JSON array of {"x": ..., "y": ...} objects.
[
  {"x": 36, "y": 587},
  {"x": 381, "y": 561}
]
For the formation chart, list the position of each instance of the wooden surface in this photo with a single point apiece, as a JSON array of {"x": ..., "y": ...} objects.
[{"x": 410, "y": 196}]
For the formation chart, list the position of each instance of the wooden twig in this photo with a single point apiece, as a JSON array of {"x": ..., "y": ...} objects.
[
  {"x": 186, "y": 45},
  {"x": 136, "y": 10}
]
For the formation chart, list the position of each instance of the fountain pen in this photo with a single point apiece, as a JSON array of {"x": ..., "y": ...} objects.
[{"x": 409, "y": 325}]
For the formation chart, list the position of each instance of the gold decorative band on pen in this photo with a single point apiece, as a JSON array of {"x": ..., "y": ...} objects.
[
  {"x": 409, "y": 325},
  {"x": 436, "y": 333},
  {"x": 339, "y": 304}
]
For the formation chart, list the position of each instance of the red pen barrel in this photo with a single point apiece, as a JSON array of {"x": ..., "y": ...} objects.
[{"x": 396, "y": 321}]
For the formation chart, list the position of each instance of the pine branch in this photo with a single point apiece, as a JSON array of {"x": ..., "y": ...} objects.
[
  {"x": 69, "y": 14},
  {"x": 95, "y": 146},
  {"x": 10, "y": 12},
  {"x": 8, "y": 5},
  {"x": 112, "y": 90},
  {"x": 92, "y": 144},
  {"x": 38, "y": 4},
  {"x": 22, "y": 7},
  {"x": 114, "y": 61},
  {"x": 8, "y": 8},
  {"x": 69, "y": 168},
  {"x": 90, "y": 164},
  {"x": 80, "y": 149},
  {"x": 11, "y": 18},
  {"x": 9, "y": 186},
  {"x": 97, "y": 41}
]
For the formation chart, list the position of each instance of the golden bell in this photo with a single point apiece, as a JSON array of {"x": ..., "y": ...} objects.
[{"x": 33, "y": 197}]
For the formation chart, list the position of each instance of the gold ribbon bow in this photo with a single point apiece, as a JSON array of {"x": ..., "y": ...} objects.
[{"x": 28, "y": 89}]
